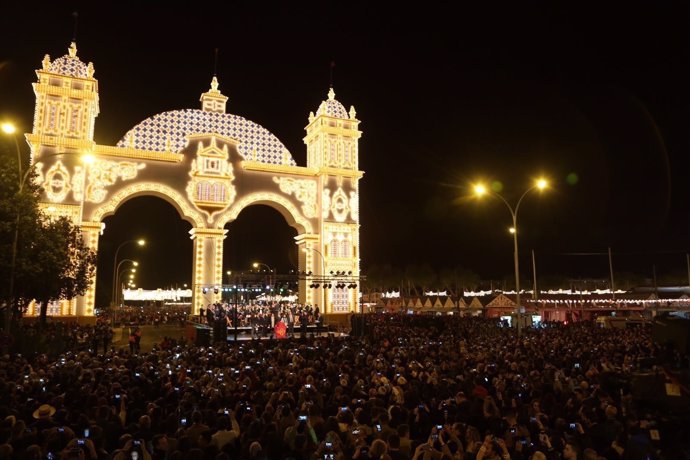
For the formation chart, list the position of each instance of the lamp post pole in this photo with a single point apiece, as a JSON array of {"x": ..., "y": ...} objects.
[
  {"x": 121, "y": 284},
  {"x": 270, "y": 274},
  {"x": 140, "y": 242},
  {"x": 481, "y": 190},
  {"x": 10, "y": 129},
  {"x": 234, "y": 308}
]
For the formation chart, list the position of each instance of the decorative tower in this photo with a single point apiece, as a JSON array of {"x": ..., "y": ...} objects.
[
  {"x": 332, "y": 149},
  {"x": 62, "y": 147},
  {"x": 64, "y": 118}
]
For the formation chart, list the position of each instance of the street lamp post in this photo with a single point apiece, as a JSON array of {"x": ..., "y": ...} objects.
[
  {"x": 119, "y": 277},
  {"x": 270, "y": 273},
  {"x": 140, "y": 242},
  {"x": 9, "y": 128},
  {"x": 479, "y": 190},
  {"x": 234, "y": 294},
  {"x": 120, "y": 297}
]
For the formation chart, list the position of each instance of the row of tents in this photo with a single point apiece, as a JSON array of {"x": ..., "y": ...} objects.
[{"x": 498, "y": 303}]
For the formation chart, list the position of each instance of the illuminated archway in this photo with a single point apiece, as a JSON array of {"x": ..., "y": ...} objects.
[
  {"x": 209, "y": 165},
  {"x": 147, "y": 189}
]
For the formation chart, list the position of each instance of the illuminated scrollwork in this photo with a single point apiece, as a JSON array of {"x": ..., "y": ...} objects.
[
  {"x": 325, "y": 203},
  {"x": 57, "y": 182},
  {"x": 354, "y": 206},
  {"x": 339, "y": 205},
  {"x": 304, "y": 190},
  {"x": 104, "y": 173}
]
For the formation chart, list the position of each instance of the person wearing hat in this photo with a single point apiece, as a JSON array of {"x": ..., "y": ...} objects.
[{"x": 44, "y": 418}]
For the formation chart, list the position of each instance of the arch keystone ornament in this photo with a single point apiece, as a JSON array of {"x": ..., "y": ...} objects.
[{"x": 210, "y": 165}]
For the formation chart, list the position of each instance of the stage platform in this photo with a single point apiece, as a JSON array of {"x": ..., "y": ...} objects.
[{"x": 203, "y": 334}]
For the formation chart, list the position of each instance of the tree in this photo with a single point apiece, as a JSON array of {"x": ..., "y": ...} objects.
[
  {"x": 19, "y": 214},
  {"x": 458, "y": 279},
  {"x": 60, "y": 265},
  {"x": 422, "y": 276},
  {"x": 40, "y": 258}
]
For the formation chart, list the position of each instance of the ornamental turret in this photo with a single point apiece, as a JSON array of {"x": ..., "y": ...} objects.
[
  {"x": 66, "y": 100},
  {"x": 332, "y": 136}
]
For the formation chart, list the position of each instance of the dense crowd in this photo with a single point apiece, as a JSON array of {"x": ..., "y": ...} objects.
[
  {"x": 155, "y": 316},
  {"x": 410, "y": 388}
]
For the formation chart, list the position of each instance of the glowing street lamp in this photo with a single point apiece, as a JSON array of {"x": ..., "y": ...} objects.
[
  {"x": 270, "y": 272},
  {"x": 480, "y": 190},
  {"x": 120, "y": 274},
  {"x": 139, "y": 242}
]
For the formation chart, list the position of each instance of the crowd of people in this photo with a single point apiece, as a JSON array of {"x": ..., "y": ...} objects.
[
  {"x": 147, "y": 315},
  {"x": 409, "y": 388}
]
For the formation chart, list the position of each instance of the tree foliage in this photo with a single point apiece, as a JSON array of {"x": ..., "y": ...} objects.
[{"x": 51, "y": 261}]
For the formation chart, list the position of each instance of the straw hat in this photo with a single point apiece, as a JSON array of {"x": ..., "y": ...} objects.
[{"x": 45, "y": 411}]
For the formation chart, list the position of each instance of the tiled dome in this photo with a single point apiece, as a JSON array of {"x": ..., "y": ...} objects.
[
  {"x": 332, "y": 107},
  {"x": 70, "y": 64},
  {"x": 168, "y": 130}
]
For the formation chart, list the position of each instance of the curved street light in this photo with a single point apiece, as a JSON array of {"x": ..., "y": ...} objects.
[
  {"x": 323, "y": 259},
  {"x": 140, "y": 242},
  {"x": 270, "y": 272},
  {"x": 479, "y": 191},
  {"x": 120, "y": 272}
]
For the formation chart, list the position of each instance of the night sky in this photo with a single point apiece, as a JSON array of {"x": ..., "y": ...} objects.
[{"x": 446, "y": 94}]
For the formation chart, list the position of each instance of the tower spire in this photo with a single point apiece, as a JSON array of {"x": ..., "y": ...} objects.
[
  {"x": 215, "y": 63},
  {"x": 213, "y": 100},
  {"x": 75, "y": 15}
]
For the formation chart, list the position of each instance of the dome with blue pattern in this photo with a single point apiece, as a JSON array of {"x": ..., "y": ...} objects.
[
  {"x": 168, "y": 131},
  {"x": 70, "y": 65},
  {"x": 331, "y": 107}
]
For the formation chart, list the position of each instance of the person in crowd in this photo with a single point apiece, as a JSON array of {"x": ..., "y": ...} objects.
[{"x": 437, "y": 388}]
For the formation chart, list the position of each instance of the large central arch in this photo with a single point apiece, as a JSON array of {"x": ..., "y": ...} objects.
[{"x": 209, "y": 165}]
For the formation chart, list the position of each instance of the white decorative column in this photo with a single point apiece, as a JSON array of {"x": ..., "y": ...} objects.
[
  {"x": 90, "y": 232},
  {"x": 310, "y": 260},
  {"x": 208, "y": 266}
]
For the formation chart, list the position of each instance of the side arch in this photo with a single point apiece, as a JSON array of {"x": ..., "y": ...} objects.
[
  {"x": 151, "y": 189},
  {"x": 281, "y": 204}
]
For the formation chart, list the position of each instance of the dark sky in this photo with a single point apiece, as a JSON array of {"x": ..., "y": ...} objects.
[{"x": 446, "y": 94}]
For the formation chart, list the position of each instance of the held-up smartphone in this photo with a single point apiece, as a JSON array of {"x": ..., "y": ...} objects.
[
  {"x": 86, "y": 432},
  {"x": 183, "y": 422},
  {"x": 80, "y": 442},
  {"x": 573, "y": 426}
]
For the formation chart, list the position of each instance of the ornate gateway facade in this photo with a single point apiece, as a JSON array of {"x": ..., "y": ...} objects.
[{"x": 209, "y": 165}]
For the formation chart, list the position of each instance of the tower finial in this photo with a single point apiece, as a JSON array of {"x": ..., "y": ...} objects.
[
  {"x": 72, "y": 49},
  {"x": 75, "y": 15}
]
